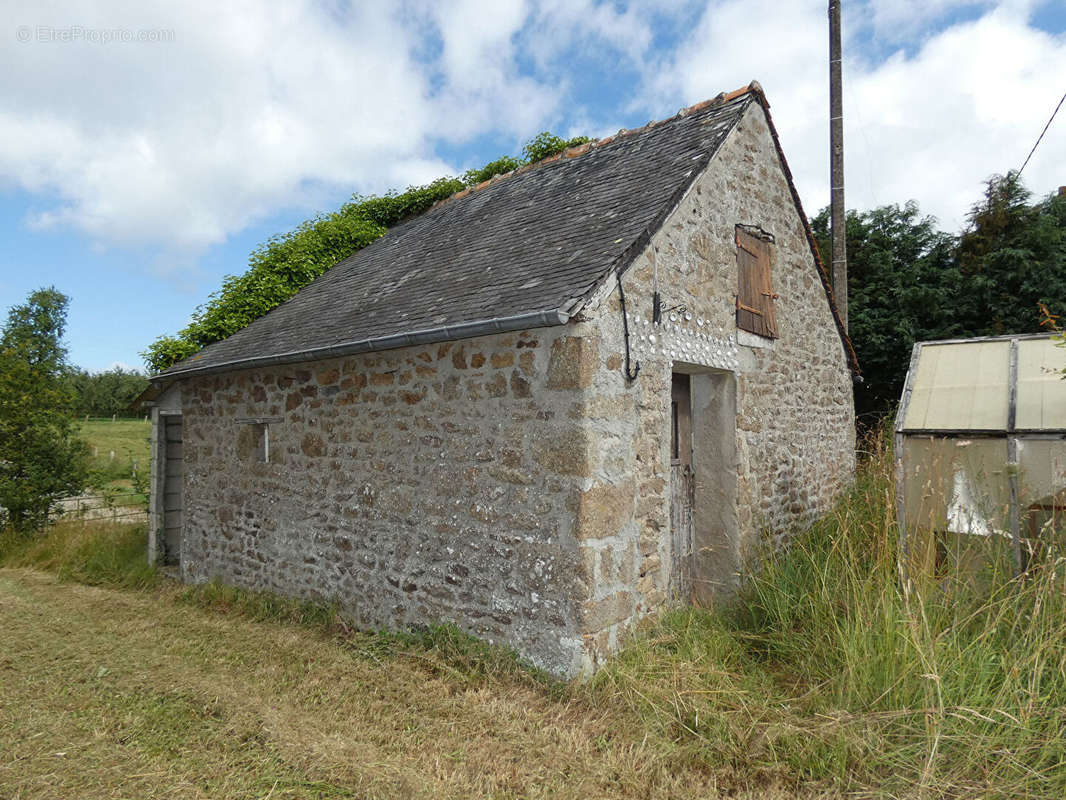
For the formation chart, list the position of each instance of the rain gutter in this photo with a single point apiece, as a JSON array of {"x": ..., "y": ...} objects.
[{"x": 445, "y": 333}]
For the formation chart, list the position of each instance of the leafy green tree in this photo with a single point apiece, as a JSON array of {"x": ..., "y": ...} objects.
[
  {"x": 107, "y": 393},
  {"x": 1012, "y": 258},
  {"x": 902, "y": 287},
  {"x": 286, "y": 263},
  {"x": 909, "y": 282},
  {"x": 41, "y": 458}
]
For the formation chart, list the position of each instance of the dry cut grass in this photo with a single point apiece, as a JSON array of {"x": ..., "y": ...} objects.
[{"x": 168, "y": 692}]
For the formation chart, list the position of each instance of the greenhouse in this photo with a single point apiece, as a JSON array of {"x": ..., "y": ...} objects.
[{"x": 980, "y": 443}]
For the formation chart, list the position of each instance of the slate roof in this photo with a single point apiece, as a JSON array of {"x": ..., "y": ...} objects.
[{"x": 522, "y": 250}]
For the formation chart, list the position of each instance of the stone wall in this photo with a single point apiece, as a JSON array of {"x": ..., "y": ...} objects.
[
  {"x": 794, "y": 418},
  {"x": 417, "y": 485},
  {"x": 517, "y": 484}
]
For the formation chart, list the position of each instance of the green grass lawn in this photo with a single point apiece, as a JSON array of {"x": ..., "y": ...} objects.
[{"x": 128, "y": 439}]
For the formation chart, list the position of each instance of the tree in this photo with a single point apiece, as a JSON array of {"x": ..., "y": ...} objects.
[
  {"x": 41, "y": 459},
  {"x": 1012, "y": 258},
  {"x": 107, "y": 393},
  {"x": 902, "y": 288}
]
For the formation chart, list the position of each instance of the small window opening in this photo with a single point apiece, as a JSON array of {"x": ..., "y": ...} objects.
[
  {"x": 261, "y": 432},
  {"x": 253, "y": 440}
]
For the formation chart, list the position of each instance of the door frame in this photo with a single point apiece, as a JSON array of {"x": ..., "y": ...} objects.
[
  {"x": 716, "y": 558},
  {"x": 158, "y": 486},
  {"x": 682, "y": 487}
]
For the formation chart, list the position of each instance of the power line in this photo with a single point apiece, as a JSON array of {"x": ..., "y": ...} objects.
[{"x": 1041, "y": 136}]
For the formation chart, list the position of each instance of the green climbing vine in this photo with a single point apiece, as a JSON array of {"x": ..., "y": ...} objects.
[{"x": 285, "y": 263}]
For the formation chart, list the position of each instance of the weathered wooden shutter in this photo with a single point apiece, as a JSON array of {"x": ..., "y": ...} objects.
[{"x": 755, "y": 293}]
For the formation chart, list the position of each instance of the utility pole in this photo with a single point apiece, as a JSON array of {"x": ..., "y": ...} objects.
[{"x": 836, "y": 166}]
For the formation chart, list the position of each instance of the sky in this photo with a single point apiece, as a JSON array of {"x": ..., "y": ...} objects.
[{"x": 146, "y": 148}]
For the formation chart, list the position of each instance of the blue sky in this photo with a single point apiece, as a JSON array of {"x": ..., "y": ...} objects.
[{"x": 135, "y": 174}]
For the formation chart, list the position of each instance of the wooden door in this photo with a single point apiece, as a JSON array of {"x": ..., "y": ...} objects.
[
  {"x": 173, "y": 494},
  {"x": 681, "y": 486}
]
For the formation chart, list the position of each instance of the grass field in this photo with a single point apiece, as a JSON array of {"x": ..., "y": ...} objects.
[
  {"x": 127, "y": 472},
  {"x": 827, "y": 677},
  {"x": 128, "y": 439}
]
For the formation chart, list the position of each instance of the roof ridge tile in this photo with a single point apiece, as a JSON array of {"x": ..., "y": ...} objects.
[{"x": 572, "y": 152}]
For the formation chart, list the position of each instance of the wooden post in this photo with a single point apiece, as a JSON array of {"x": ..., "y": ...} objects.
[
  {"x": 901, "y": 505},
  {"x": 1015, "y": 512},
  {"x": 836, "y": 167},
  {"x": 156, "y": 468}
]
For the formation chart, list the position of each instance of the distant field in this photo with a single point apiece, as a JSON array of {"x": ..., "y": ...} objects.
[{"x": 128, "y": 439}]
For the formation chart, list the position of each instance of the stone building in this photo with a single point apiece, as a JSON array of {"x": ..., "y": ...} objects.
[{"x": 549, "y": 405}]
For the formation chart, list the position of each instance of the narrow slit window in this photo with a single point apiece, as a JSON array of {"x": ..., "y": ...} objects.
[
  {"x": 675, "y": 442},
  {"x": 262, "y": 442}
]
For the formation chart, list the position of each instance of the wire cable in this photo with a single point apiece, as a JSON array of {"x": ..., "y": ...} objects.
[{"x": 1041, "y": 136}]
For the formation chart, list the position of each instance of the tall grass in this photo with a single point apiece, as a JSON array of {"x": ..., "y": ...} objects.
[
  {"x": 826, "y": 673},
  {"x": 97, "y": 553},
  {"x": 831, "y": 669}
]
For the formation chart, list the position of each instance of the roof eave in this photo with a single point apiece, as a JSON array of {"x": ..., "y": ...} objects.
[{"x": 444, "y": 333}]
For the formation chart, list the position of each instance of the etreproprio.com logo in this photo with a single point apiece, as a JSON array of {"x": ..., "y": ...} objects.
[{"x": 70, "y": 34}]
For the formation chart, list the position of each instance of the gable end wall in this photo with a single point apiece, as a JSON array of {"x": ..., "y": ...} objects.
[{"x": 794, "y": 435}]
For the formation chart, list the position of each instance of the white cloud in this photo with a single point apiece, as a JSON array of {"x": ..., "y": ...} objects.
[
  {"x": 561, "y": 25},
  {"x": 175, "y": 146},
  {"x": 929, "y": 126},
  {"x": 482, "y": 86},
  {"x": 896, "y": 21},
  {"x": 244, "y": 113}
]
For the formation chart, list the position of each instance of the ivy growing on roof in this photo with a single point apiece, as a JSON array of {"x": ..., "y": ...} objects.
[{"x": 285, "y": 263}]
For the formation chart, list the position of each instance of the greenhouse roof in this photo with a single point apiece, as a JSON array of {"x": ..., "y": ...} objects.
[{"x": 1007, "y": 384}]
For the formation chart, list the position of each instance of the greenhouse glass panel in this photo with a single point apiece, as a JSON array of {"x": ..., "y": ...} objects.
[
  {"x": 1041, "y": 390},
  {"x": 957, "y": 485},
  {"x": 960, "y": 386}
]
